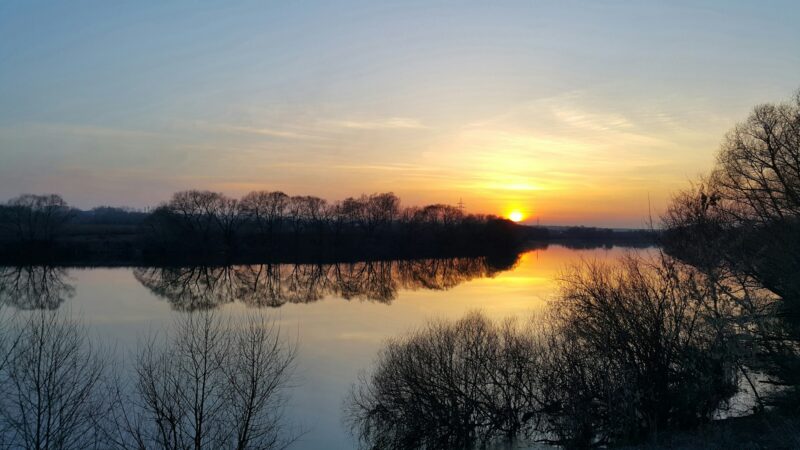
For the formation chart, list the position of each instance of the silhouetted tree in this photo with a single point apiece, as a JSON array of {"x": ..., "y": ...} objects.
[
  {"x": 309, "y": 211},
  {"x": 200, "y": 220},
  {"x": 266, "y": 209},
  {"x": 36, "y": 218},
  {"x": 210, "y": 227},
  {"x": 746, "y": 214},
  {"x": 8, "y": 342},
  {"x": 50, "y": 386},
  {"x": 381, "y": 211},
  {"x": 354, "y": 212},
  {"x": 758, "y": 170},
  {"x": 197, "y": 211},
  {"x": 741, "y": 224},
  {"x": 211, "y": 385},
  {"x": 227, "y": 214}
]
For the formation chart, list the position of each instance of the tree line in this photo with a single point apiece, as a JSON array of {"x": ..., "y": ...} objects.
[
  {"x": 211, "y": 223},
  {"x": 274, "y": 220}
]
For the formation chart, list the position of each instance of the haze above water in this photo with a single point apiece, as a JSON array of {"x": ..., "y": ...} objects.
[{"x": 337, "y": 338}]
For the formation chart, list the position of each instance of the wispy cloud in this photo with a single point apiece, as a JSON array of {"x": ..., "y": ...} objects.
[
  {"x": 385, "y": 167},
  {"x": 263, "y": 131},
  {"x": 91, "y": 131},
  {"x": 281, "y": 132},
  {"x": 391, "y": 123},
  {"x": 591, "y": 121}
]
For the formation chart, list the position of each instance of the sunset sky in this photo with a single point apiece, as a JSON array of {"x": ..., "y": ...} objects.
[{"x": 572, "y": 112}]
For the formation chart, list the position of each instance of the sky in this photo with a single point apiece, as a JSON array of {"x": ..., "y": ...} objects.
[{"x": 572, "y": 112}]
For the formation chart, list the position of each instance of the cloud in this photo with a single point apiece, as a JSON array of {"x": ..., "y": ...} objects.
[
  {"x": 288, "y": 132},
  {"x": 385, "y": 167},
  {"x": 391, "y": 123},
  {"x": 591, "y": 121},
  {"x": 91, "y": 131}
]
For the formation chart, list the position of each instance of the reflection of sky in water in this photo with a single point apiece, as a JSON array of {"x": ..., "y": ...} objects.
[{"x": 337, "y": 338}]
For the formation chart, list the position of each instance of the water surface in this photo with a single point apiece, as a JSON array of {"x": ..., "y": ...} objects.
[{"x": 339, "y": 314}]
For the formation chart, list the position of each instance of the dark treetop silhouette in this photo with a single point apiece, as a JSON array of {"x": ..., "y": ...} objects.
[{"x": 208, "y": 226}]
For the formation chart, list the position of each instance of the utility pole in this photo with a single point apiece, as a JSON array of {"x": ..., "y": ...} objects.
[{"x": 460, "y": 205}]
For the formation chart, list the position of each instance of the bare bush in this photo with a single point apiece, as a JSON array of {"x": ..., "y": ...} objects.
[
  {"x": 626, "y": 350},
  {"x": 646, "y": 346},
  {"x": 449, "y": 385}
]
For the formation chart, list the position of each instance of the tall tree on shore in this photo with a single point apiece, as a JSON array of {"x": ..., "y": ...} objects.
[{"x": 35, "y": 218}]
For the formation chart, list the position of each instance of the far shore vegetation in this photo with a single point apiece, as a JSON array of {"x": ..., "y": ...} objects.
[{"x": 264, "y": 226}]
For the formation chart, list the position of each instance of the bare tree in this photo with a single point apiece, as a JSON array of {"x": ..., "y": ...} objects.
[
  {"x": 439, "y": 215},
  {"x": 258, "y": 370},
  {"x": 353, "y": 211},
  {"x": 36, "y": 218},
  {"x": 745, "y": 215},
  {"x": 758, "y": 167},
  {"x": 228, "y": 217},
  {"x": 8, "y": 341},
  {"x": 310, "y": 211},
  {"x": 212, "y": 385},
  {"x": 266, "y": 209},
  {"x": 381, "y": 211},
  {"x": 197, "y": 211},
  {"x": 50, "y": 386}
]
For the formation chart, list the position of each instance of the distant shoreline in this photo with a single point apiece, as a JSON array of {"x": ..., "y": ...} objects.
[
  {"x": 123, "y": 254},
  {"x": 203, "y": 227}
]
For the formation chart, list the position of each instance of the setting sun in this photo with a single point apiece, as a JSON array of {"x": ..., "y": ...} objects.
[{"x": 515, "y": 216}]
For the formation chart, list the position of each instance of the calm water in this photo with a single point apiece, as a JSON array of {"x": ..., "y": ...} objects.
[{"x": 339, "y": 314}]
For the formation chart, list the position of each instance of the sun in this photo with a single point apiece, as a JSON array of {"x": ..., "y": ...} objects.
[{"x": 516, "y": 216}]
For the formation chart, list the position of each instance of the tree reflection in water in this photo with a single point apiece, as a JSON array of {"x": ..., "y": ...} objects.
[
  {"x": 272, "y": 285},
  {"x": 34, "y": 287}
]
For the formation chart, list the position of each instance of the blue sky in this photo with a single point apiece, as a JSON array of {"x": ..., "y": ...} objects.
[{"x": 572, "y": 111}]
